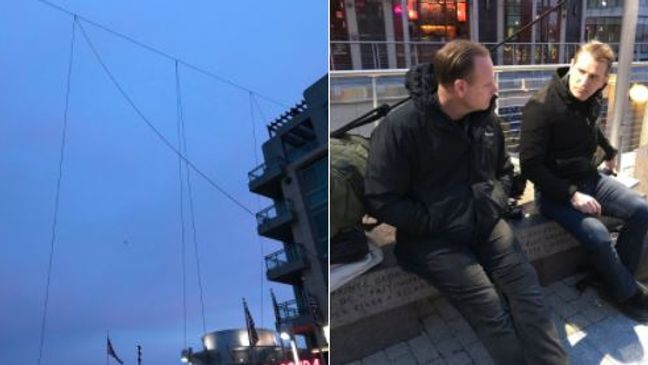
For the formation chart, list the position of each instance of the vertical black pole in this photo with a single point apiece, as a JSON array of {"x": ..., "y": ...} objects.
[{"x": 139, "y": 354}]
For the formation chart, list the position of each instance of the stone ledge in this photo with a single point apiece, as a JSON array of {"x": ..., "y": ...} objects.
[{"x": 387, "y": 286}]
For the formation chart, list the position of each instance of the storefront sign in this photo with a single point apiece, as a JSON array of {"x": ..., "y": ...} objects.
[{"x": 303, "y": 362}]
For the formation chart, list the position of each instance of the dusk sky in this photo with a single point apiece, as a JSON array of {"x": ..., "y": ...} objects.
[{"x": 117, "y": 260}]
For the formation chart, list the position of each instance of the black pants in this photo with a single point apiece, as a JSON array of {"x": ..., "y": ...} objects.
[{"x": 520, "y": 332}]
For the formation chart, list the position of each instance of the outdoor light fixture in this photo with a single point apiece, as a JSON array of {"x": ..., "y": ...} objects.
[
  {"x": 639, "y": 93},
  {"x": 284, "y": 336},
  {"x": 327, "y": 332},
  {"x": 185, "y": 356}
]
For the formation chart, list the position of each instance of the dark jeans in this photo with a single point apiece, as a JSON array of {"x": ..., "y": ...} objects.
[
  {"x": 615, "y": 266},
  {"x": 515, "y": 333}
]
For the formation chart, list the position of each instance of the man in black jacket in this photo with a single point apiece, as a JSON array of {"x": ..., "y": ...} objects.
[
  {"x": 438, "y": 171},
  {"x": 558, "y": 147}
]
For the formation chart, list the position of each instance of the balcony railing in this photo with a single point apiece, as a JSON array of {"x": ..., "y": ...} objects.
[
  {"x": 291, "y": 309},
  {"x": 273, "y": 165},
  {"x": 275, "y": 221},
  {"x": 265, "y": 178},
  {"x": 274, "y": 212},
  {"x": 290, "y": 255}
]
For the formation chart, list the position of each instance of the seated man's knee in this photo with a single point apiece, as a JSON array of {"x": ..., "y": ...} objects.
[
  {"x": 597, "y": 237},
  {"x": 640, "y": 210}
]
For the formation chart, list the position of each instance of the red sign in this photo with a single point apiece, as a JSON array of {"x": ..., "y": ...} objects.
[{"x": 303, "y": 362}]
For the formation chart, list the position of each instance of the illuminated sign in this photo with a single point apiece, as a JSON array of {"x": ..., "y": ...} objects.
[
  {"x": 303, "y": 362},
  {"x": 461, "y": 12}
]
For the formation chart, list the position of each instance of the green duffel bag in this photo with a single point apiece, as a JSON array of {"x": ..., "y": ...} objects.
[{"x": 348, "y": 167}]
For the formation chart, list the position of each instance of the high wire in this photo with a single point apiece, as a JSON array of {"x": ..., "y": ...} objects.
[
  {"x": 190, "y": 193},
  {"x": 160, "y": 52},
  {"x": 258, "y": 202},
  {"x": 164, "y": 140},
  {"x": 182, "y": 220},
  {"x": 58, "y": 192}
]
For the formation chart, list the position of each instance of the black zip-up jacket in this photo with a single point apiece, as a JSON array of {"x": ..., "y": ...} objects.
[
  {"x": 430, "y": 176},
  {"x": 559, "y": 139}
]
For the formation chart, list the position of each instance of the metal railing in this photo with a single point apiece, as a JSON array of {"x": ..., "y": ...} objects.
[
  {"x": 274, "y": 164},
  {"x": 291, "y": 309},
  {"x": 274, "y": 211},
  {"x": 283, "y": 257},
  {"x": 353, "y": 93},
  {"x": 380, "y": 55}
]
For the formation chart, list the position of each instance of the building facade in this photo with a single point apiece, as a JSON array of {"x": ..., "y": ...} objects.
[
  {"x": 294, "y": 176},
  {"x": 388, "y": 34}
]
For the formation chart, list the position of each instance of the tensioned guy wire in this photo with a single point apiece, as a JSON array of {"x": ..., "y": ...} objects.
[
  {"x": 164, "y": 140},
  {"x": 161, "y": 53},
  {"x": 258, "y": 202},
  {"x": 182, "y": 220},
  {"x": 58, "y": 192},
  {"x": 183, "y": 145}
]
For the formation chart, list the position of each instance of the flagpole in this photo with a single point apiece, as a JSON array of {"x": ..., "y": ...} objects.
[
  {"x": 251, "y": 331},
  {"x": 275, "y": 307}
]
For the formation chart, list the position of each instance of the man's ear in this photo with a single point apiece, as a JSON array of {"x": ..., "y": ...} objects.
[
  {"x": 459, "y": 86},
  {"x": 572, "y": 63}
]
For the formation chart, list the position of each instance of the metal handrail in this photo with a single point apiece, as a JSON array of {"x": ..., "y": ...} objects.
[
  {"x": 291, "y": 309},
  {"x": 276, "y": 162},
  {"x": 282, "y": 257},
  {"x": 274, "y": 211}
]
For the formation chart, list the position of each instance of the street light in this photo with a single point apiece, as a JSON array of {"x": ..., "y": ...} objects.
[
  {"x": 293, "y": 346},
  {"x": 639, "y": 93}
]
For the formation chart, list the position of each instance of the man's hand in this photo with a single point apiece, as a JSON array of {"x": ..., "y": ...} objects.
[
  {"x": 585, "y": 203},
  {"x": 611, "y": 165}
]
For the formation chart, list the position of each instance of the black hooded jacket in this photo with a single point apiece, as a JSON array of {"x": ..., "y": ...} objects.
[
  {"x": 430, "y": 176},
  {"x": 559, "y": 139}
]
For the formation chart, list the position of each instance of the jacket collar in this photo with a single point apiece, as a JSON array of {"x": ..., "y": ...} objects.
[{"x": 560, "y": 83}]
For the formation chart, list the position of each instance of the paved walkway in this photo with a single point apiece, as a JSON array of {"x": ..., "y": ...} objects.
[{"x": 592, "y": 331}]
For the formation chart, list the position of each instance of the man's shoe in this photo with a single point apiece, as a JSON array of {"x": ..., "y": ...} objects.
[
  {"x": 643, "y": 293},
  {"x": 635, "y": 307},
  {"x": 634, "y": 310}
]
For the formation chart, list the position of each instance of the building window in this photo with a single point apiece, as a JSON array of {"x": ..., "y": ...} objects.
[
  {"x": 314, "y": 185},
  {"x": 604, "y": 4}
]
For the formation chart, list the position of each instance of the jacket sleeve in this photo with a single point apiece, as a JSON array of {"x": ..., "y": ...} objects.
[
  {"x": 610, "y": 152},
  {"x": 534, "y": 145},
  {"x": 504, "y": 164},
  {"x": 387, "y": 183}
]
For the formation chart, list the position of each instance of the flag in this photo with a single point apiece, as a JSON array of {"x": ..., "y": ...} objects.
[
  {"x": 313, "y": 306},
  {"x": 275, "y": 306},
  {"x": 253, "y": 336},
  {"x": 111, "y": 351}
]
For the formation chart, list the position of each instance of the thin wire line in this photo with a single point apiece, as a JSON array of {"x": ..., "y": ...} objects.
[
  {"x": 191, "y": 204},
  {"x": 258, "y": 202},
  {"x": 159, "y": 52},
  {"x": 152, "y": 127},
  {"x": 58, "y": 192},
  {"x": 182, "y": 221},
  {"x": 259, "y": 109}
]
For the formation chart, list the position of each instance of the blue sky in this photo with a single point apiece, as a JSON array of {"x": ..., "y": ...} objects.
[{"x": 117, "y": 261}]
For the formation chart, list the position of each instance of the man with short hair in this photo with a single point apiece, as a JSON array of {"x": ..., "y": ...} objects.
[
  {"x": 438, "y": 171},
  {"x": 558, "y": 144}
]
